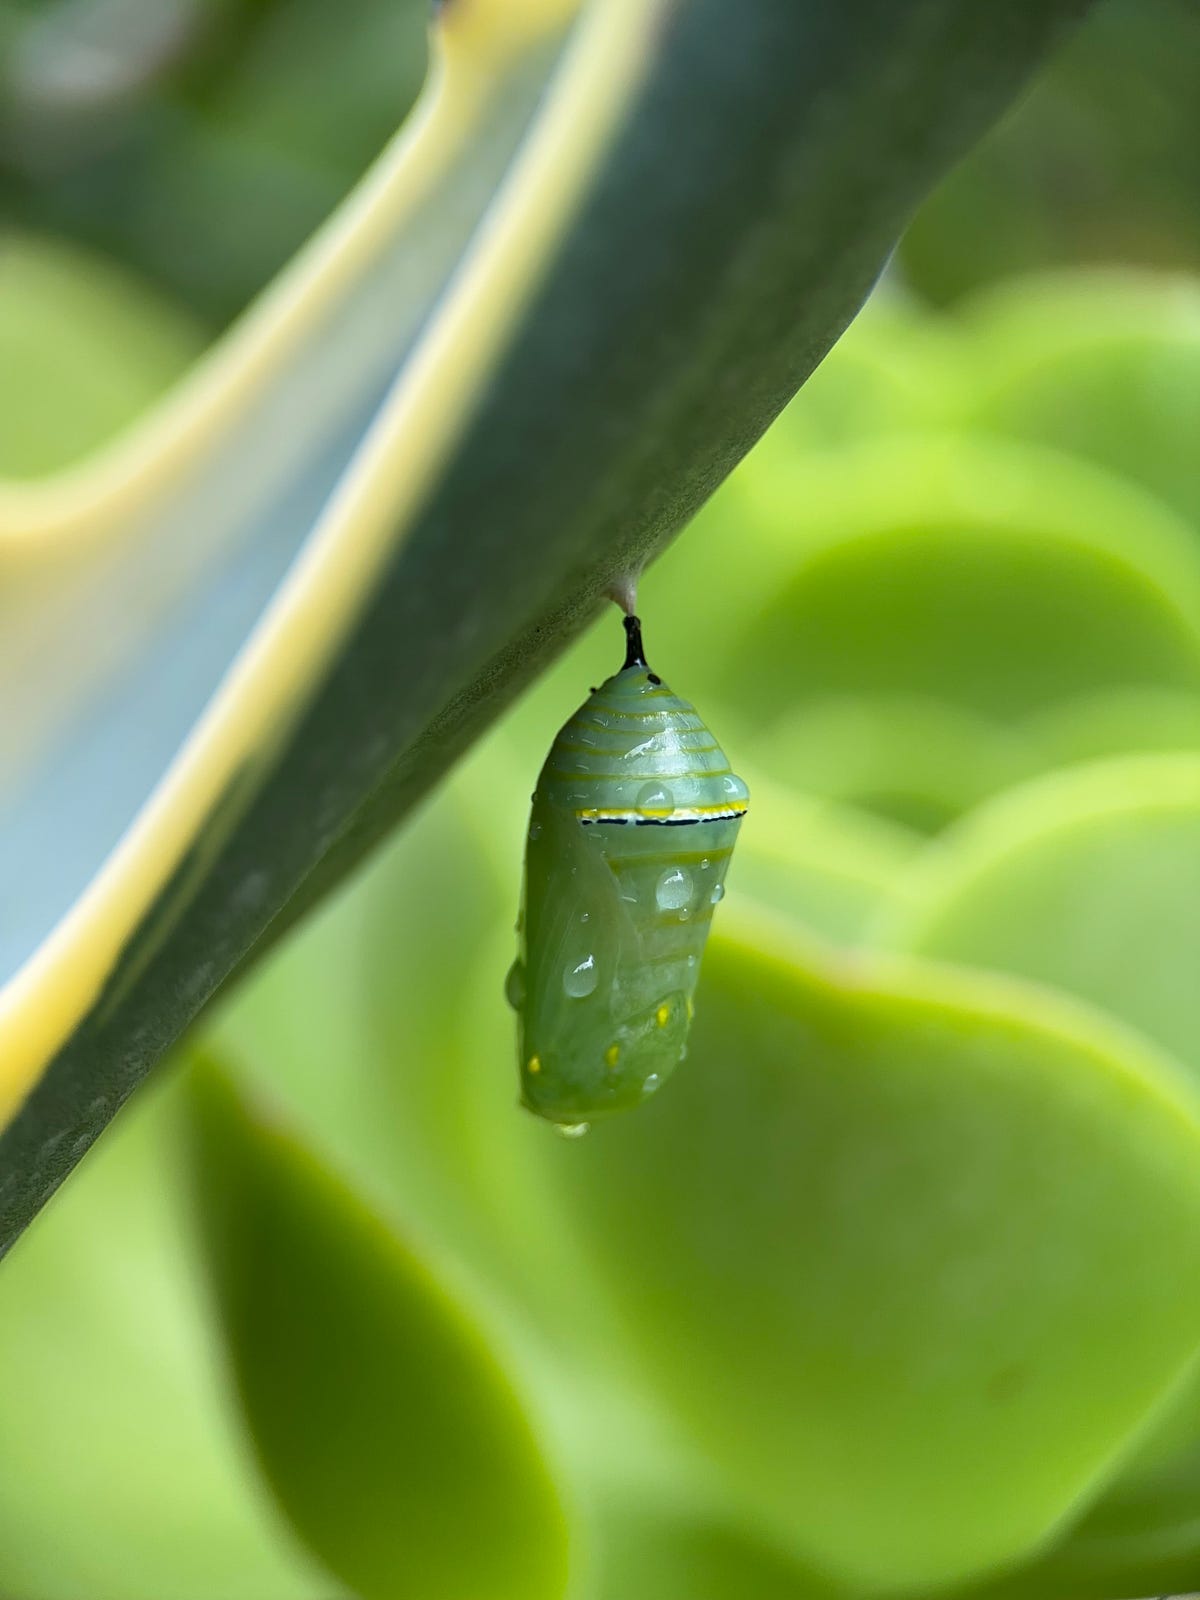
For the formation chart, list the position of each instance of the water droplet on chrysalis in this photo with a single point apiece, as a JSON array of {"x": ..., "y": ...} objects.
[
  {"x": 718, "y": 893},
  {"x": 581, "y": 978},
  {"x": 514, "y": 985},
  {"x": 674, "y": 889},
  {"x": 535, "y": 831},
  {"x": 655, "y": 798}
]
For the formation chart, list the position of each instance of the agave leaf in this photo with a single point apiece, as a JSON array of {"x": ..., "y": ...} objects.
[{"x": 235, "y": 649}]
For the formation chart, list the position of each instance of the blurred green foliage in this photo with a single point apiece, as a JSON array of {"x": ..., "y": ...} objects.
[
  {"x": 199, "y": 141},
  {"x": 776, "y": 1260},
  {"x": 84, "y": 348},
  {"x": 900, "y": 1285},
  {"x": 1101, "y": 162},
  {"x": 404, "y": 1433},
  {"x": 901, "y": 1282}
]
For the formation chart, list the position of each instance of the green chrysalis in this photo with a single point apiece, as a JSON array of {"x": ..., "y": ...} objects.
[{"x": 634, "y": 819}]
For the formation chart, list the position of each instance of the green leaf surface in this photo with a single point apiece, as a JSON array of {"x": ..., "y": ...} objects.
[
  {"x": 1119, "y": 722},
  {"x": 922, "y": 620},
  {"x": 391, "y": 1435},
  {"x": 1090, "y": 880},
  {"x": 991, "y": 576},
  {"x": 1143, "y": 1538},
  {"x": 1098, "y": 167},
  {"x": 566, "y": 301},
  {"x": 657, "y": 1550},
  {"x": 1106, "y": 367},
  {"x": 213, "y": 147},
  {"x": 914, "y": 759},
  {"x": 83, "y": 348},
  {"x": 660, "y": 1525},
  {"x": 127, "y": 1476},
  {"x": 967, "y": 1267},
  {"x": 828, "y": 866}
]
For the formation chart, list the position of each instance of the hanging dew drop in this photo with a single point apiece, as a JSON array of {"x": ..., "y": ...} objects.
[
  {"x": 651, "y": 1084},
  {"x": 571, "y": 1130},
  {"x": 579, "y": 980},
  {"x": 674, "y": 889},
  {"x": 655, "y": 799},
  {"x": 514, "y": 985}
]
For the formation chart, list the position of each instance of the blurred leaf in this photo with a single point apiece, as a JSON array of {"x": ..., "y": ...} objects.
[
  {"x": 921, "y": 620},
  {"x": 1141, "y": 1538},
  {"x": 1100, "y": 163},
  {"x": 382, "y": 1418},
  {"x": 1106, "y": 366},
  {"x": 549, "y": 322},
  {"x": 127, "y": 1476},
  {"x": 1090, "y": 880},
  {"x": 827, "y": 865},
  {"x": 323, "y": 86},
  {"x": 199, "y": 141},
  {"x": 965, "y": 570},
  {"x": 661, "y": 1525},
  {"x": 966, "y": 1267},
  {"x": 664, "y": 1551},
  {"x": 1087, "y": 879},
  {"x": 915, "y": 759},
  {"x": 83, "y": 349},
  {"x": 1114, "y": 722}
]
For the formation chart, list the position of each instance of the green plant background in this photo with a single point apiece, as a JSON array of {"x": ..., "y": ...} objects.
[{"x": 898, "y": 1289}]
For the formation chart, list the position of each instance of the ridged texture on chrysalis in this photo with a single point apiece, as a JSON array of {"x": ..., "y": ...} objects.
[{"x": 634, "y": 819}]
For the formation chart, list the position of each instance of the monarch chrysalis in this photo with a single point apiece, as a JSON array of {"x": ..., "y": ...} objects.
[{"x": 634, "y": 820}]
